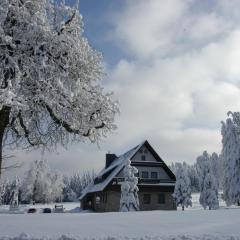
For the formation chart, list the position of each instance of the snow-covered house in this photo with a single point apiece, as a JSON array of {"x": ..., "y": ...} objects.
[{"x": 155, "y": 182}]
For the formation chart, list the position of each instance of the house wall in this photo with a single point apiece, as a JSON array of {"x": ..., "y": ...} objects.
[{"x": 113, "y": 202}]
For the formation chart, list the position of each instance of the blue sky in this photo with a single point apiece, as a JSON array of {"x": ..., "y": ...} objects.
[
  {"x": 174, "y": 67},
  {"x": 96, "y": 16}
]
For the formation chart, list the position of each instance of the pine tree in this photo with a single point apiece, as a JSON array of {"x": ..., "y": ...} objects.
[
  {"x": 2, "y": 191},
  {"x": 231, "y": 158},
  {"x": 129, "y": 191},
  {"x": 208, "y": 187},
  {"x": 182, "y": 190}
]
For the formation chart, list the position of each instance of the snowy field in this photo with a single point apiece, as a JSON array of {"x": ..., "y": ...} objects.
[{"x": 194, "y": 223}]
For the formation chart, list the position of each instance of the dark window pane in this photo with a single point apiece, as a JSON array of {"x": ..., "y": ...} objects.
[
  {"x": 154, "y": 175},
  {"x": 146, "y": 198},
  {"x": 161, "y": 198},
  {"x": 143, "y": 158},
  {"x": 144, "y": 174}
]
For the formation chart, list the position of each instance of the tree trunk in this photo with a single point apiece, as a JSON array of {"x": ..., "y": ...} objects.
[
  {"x": 183, "y": 207},
  {"x": 4, "y": 121}
]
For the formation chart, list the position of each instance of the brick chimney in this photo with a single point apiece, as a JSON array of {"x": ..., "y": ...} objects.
[{"x": 110, "y": 157}]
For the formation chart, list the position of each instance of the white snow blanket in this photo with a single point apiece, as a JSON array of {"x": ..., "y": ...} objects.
[{"x": 198, "y": 224}]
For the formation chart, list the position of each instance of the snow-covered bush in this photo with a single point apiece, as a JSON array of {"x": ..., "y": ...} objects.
[
  {"x": 42, "y": 185},
  {"x": 208, "y": 186},
  {"x": 231, "y": 158},
  {"x": 50, "y": 76},
  {"x": 129, "y": 190},
  {"x": 182, "y": 190}
]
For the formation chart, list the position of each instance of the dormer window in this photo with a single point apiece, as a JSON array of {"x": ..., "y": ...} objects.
[{"x": 143, "y": 157}]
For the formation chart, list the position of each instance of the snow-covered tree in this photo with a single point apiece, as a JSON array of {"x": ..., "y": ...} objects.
[
  {"x": 50, "y": 88},
  {"x": 207, "y": 182},
  {"x": 15, "y": 192},
  {"x": 41, "y": 184},
  {"x": 182, "y": 190},
  {"x": 68, "y": 194},
  {"x": 129, "y": 190},
  {"x": 217, "y": 168},
  {"x": 2, "y": 191},
  {"x": 231, "y": 158},
  {"x": 191, "y": 172}
]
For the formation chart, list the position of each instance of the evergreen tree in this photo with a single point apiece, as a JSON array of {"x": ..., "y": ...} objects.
[
  {"x": 208, "y": 187},
  {"x": 182, "y": 190},
  {"x": 231, "y": 158},
  {"x": 129, "y": 191}
]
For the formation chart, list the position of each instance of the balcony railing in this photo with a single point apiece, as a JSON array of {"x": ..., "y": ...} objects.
[{"x": 145, "y": 180}]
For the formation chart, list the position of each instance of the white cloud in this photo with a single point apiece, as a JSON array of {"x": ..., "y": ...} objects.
[
  {"x": 179, "y": 101},
  {"x": 146, "y": 26}
]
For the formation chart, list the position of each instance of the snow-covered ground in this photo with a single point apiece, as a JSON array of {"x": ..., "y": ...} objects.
[{"x": 199, "y": 224}]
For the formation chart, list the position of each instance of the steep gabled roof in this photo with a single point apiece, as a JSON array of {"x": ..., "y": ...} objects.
[{"x": 107, "y": 174}]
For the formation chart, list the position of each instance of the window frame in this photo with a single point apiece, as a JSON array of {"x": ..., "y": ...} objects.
[
  {"x": 145, "y": 172},
  {"x": 154, "y": 177}
]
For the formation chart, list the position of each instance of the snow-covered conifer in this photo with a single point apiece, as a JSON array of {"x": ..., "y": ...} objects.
[
  {"x": 50, "y": 89},
  {"x": 208, "y": 186},
  {"x": 2, "y": 191},
  {"x": 182, "y": 190},
  {"x": 231, "y": 158},
  {"x": 129, "y": 190},
  {"x": 217, "y": 168}
]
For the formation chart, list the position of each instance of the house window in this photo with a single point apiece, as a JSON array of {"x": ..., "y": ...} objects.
[
  {"x": 136, "y": 174},
  {"x": 146, "y": 198},
  {"x": 161, "y": 198},
  {"x": 143, "y": 157},
  {"x": 154, "y": 175},
  {"x": 144, "y": 174}
]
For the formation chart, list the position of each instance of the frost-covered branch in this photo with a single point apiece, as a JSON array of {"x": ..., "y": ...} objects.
[{"x": 50, "y": 77}]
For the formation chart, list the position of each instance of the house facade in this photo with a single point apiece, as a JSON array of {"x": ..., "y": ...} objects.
[{"x": 155, "y": 182}]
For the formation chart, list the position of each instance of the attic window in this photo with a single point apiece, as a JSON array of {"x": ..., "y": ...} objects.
[{"x": 143, "y": 157}]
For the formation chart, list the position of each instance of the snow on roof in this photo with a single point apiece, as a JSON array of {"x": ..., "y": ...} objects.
[{"x": 115, "y": 167}]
